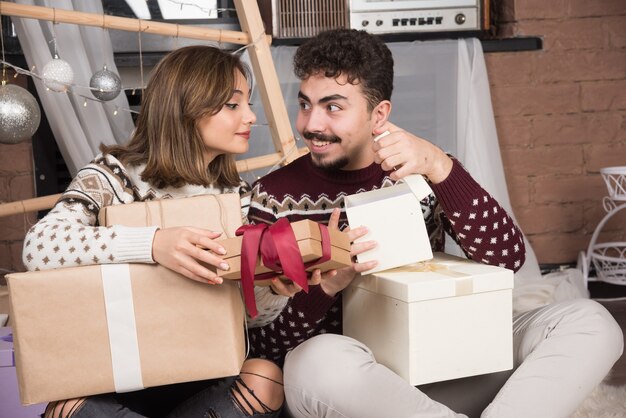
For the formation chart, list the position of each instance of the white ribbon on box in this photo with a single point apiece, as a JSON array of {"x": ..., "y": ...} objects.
[
  {"x": 120, "y": 311},
  {"x": 393, "y": 216},
  {"x": 462, "y": 283}
]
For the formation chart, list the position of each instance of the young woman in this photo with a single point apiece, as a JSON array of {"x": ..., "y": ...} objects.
[{"x": 195, "y": 114}]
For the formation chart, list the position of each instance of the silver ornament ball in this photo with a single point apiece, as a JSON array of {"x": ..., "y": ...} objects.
[
  {"x": 57, "y": 75},
  {"x": 19, "y": 114},
  {"x": 107, "y": 83}
]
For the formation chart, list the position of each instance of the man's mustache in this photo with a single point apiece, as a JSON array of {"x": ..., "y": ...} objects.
[{"x": 321, "y": 137}]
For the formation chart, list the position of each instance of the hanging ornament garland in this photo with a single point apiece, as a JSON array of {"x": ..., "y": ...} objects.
[
  {"x": 20, "y": 114},
  {"x": 57, "y": 75}
]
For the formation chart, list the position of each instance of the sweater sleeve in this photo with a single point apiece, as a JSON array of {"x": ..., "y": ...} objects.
[
  {"x": 244, "y": 193},
  {"x": 257, "y": 211},
  {"x": 69, "y": 235},
  {"x": 477, "y": 222}
]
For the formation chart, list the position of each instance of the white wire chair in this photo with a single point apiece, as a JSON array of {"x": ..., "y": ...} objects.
[{"x": 608, "y": 258}]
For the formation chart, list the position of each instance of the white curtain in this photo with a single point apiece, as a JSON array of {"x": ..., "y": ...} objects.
[
  {"x": 477, "y": 139},
  {"x": 441, "y": 93},
  {"x": 78, "y": 130}
]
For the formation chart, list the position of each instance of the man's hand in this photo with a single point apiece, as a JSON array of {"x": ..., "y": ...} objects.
[
  {"x": 182, "y": 249},
  {"x": 409, "y": 154},
  {"x": 334, "y": 281},
  {"x": 285, "y": 287}
]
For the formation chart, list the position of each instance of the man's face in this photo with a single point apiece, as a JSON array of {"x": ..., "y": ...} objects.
[{"x": 335, "y": 123}]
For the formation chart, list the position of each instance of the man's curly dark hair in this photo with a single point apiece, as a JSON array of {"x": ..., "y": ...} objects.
[{"x": 362, "y": 57}]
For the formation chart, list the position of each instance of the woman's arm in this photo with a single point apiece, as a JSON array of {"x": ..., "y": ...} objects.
[{"x": 69, "y": 234}]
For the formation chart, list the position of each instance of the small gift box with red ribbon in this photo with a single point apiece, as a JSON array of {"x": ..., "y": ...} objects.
[{"x": 260, "y": 252}]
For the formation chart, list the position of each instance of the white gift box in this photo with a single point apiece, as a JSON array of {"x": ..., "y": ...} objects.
[
  {"x": 393, "y": 216},
  {"x": 438, "y": 320}
]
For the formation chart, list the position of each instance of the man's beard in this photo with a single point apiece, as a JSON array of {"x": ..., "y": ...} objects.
[{"x": 322, "y": 162}]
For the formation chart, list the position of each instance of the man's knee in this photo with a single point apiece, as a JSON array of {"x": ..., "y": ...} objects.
[
  {"x": 326, "y": 349},
  {"x": 608, "y": 333},
  {"x": 321, "y": 372},
  {"x": 586, "y": 317},
  {"x": 332, "y": 359}
]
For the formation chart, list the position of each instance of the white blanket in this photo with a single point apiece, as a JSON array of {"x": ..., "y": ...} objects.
[{"x": 553, "y": 287}]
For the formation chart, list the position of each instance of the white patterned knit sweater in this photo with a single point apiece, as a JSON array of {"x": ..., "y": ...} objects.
[{"x": 69, "y": 235}]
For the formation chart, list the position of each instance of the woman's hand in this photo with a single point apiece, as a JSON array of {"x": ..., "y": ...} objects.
[{"x": 182, "y": 249}]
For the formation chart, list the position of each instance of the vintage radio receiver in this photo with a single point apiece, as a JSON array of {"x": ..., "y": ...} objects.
[
  {"x": 306, "y": 18},
  {"x": 401, "y": 16}
]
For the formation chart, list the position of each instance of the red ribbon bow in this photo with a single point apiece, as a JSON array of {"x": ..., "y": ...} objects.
[{"x": 279, "y": 252}]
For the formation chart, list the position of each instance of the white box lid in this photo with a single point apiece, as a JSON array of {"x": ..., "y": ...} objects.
[
  {"x": 442, "y": 277},
  {"x": 394, "y": 218}
]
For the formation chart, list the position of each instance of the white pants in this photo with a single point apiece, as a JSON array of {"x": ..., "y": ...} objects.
[{"x": 561, "y": 352}]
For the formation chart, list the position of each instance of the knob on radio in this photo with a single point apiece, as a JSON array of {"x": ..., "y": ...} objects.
[{"x": 460, "y": 19}]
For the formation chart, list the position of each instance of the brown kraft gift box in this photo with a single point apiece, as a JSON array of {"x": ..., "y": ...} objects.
[
  {"x": 221, "y": 212},
  {"x": 186, "y": 330}
]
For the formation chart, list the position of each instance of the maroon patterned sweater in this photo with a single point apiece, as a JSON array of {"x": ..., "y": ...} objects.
[{"x": 459, "y": 207}]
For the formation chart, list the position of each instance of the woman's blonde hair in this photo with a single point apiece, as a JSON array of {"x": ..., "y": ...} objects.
[{"x": 187, "y": 84}]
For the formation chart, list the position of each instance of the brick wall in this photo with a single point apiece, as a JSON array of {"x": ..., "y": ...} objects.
[
  {"x": 561, "y": 116},
  {"x": 16, "y": 183}
]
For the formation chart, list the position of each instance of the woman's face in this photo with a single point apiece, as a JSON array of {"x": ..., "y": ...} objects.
[{"x": 228, "y": 131}]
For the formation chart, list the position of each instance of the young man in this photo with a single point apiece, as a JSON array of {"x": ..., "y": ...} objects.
[{"x": 561, "y": 351}]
